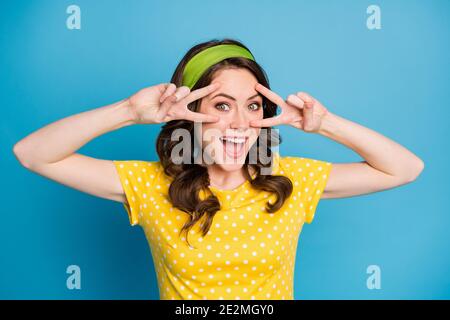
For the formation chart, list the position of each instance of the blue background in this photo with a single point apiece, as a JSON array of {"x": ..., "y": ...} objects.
[{"x": 394, "y": 80}]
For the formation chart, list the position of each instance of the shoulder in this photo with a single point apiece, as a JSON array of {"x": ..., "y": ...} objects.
[
  {"x": 136, "y": 165},
  {"x": 139, "y": 170},
  {"x": 297, "y": 164}
]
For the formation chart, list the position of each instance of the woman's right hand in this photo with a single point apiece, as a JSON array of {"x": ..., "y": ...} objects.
[
  {"x": 51, "y": 150},
  {"x": 166, "y": 102}
]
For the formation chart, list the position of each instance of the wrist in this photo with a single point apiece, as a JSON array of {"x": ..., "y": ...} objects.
[
  {"x": 126, "y": 112},
  {"x": 131, "y": 115},
  {"x": 327, "y": 124}
]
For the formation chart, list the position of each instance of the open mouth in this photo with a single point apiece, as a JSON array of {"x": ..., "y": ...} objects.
[{"x": 234, "y": 146}]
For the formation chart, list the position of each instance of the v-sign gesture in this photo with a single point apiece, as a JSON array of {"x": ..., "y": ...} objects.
[
  {"x": 300, "y": 111},
  {"x": 166, "y": 102}
]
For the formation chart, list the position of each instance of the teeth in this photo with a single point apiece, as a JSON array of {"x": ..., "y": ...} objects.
[{"x": 233, "y": 140}]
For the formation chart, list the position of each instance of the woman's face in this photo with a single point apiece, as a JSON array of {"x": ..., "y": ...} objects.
[{"x": 227, "y": 141}]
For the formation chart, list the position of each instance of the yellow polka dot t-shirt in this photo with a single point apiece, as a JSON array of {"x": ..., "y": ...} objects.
[{"x": 248, "y": 253}]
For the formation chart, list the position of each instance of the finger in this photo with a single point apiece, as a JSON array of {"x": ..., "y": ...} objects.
[
  {"x": 307, "y": 99},
  {"x": 161, "y": 87},
  {"x": 268, "y": 122},
  {"x": 170, "y": 89},
  {"x": 202, "y": 92},
  {"x": 165, "y": 94},
  {"x": 167, "y": 103},
  {"x": 295, "y": 101},
  {"x": 200, "y": 117},
  {"x": 182, "y": 92},
  {"x": 308, "y": 113},
  {"x": 272, "y": 96}
]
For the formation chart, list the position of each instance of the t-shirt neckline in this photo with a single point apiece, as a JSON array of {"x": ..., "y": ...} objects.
[
  {"x": 237, "y": 189},
  {"x": 243, "y": 185}
]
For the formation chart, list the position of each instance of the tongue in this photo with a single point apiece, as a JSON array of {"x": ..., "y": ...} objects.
[{"x": 233, "y": 149}]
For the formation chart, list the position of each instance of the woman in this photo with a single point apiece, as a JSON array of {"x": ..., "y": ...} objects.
[{"x": 223, "y": 222}]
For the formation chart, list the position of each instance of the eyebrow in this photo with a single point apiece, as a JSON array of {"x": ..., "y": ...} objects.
[{"x": 230, "y": 97}]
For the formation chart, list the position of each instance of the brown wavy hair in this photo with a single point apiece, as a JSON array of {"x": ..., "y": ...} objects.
[{"x": 189, "y": 179}]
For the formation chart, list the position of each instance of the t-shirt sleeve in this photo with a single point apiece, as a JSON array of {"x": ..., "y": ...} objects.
[
  {"x": 309, "y": 178},
  {"x": 136, "y": 179}
]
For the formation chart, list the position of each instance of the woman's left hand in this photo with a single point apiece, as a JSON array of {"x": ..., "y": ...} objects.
[{"x": 299, "y": 110}]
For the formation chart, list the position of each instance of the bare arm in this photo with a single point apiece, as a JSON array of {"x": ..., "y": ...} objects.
[
  {"x": 386, "y": 164},
  {"x": 50, "y": 151}
]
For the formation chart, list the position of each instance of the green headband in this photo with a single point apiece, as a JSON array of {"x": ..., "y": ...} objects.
[{"x": 209, "y": 57}]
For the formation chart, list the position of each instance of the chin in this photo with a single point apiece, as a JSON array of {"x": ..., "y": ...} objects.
[
  {"x": 225, "y": 163},
  {"x": 231, "y": 166}
]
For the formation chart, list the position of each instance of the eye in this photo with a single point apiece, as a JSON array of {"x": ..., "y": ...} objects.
[
  {"x": 255, "y": 107},
  {"x": 220, "y": 105}
]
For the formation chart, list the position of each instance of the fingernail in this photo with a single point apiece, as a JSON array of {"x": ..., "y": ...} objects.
[{"x": 294, "y": 99}]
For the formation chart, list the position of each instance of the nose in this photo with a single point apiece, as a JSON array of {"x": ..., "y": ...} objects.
[{"x": 239, "y": 121}]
